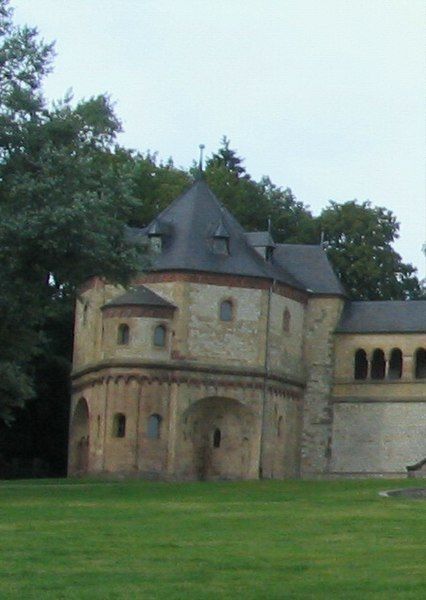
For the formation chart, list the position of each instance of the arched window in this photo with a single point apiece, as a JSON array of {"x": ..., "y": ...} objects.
[
  {"x": 85, "y": 311},
  {"x": 286, "y": 320},
  {"x": 123, "y": 334},
  {"x": 360, "y": 365},
  {"x": 154, "y": 427},
  {"x": 395, "y": 364},
  {"x": 226, "y": 310},
  {"x": 420, "y": 363},
  {"x": 119, "y": 425},
  {"x": 80, "y": 438},
  {"x": 280, "y": 427},
  {"x": 378, "y": 364},
  {"x": 216, "y": 438},
  {"x": 160, "y": 336}
]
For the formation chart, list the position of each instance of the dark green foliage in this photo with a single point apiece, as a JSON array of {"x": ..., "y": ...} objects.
[
  {"x": 155, "y": 185},
  {"x": 359, "y": 239},
  {"x": 64, "y": 200}
]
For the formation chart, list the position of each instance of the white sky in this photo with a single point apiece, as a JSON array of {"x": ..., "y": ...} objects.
[{"x": 324, "y": 96}]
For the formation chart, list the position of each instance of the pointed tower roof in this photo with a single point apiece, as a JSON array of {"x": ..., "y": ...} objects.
[{"x": 189, "y": 225}]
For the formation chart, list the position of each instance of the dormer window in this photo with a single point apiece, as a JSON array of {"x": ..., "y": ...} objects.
[
  {"x": 220, "y": 246},
  {"x": 155, "y": 244},
  {"x": 221, "y": 240},
  {"x": 156, "y": 234}
]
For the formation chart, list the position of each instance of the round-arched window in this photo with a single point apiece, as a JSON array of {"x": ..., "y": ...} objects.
[
  {"x": 378, "y": 364},
  {"x": 154, "y": 427},
  {"x": 216, "y": 438},
  {"x": 360, "y": 364},
  {"x": 123, "y": 334},
  {"x": 226, "y": 311},
  {"x": 160, "y": 336},
  {"x": 420, "y": 363},
  {"x": 119, "y": 425}
]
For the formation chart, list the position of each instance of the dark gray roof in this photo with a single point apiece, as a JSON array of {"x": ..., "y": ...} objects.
[
  {"x": 310, "y": 265},
  {"x": 188, "y": 228},
  {"x": 139, "y": 296},
  {"x": 192, "y": 220},
  {"x": 390, "y": 316},
  {"x": 260, "y": 239}
]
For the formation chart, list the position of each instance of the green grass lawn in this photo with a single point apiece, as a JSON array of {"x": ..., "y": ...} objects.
[{"x": 262, "y": 539}]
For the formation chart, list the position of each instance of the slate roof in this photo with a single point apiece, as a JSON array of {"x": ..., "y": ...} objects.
[
  {"x": 310, "y": 265},
  {"x": 191, "y": 222},
  {"x": 259, "y": 239},
  {"x": 139, "y": 295},
  {"x": 188, "y": 226},
  {"x": 390, "y": 316}
]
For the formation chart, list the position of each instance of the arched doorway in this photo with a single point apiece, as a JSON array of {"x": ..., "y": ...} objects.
[
  {"x": 79, "y": 447},
  {"x": 222, "y": 433}
]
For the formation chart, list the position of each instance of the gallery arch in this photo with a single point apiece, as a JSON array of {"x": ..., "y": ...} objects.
[
  {"x": 420, "y": 363},
  {"x": 360, "y": 364},
  {"x": 395, "y": 364}
]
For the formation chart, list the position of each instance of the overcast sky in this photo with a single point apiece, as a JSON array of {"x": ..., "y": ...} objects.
[{"x": 324, "y": 96}]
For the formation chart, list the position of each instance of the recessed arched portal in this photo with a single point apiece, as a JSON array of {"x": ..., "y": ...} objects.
[
  {"x": 79, "y": 446},
  {"x": 223, "y": 438}
]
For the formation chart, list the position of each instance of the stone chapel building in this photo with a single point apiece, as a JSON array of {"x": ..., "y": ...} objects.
[{"x": 234, "y": 357}]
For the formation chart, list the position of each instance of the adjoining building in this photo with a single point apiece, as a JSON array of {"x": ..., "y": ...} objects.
[{"x": 233, "y": 357}]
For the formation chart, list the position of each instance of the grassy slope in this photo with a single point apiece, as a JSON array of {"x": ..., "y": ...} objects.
[{"x": 266, "y": 540}]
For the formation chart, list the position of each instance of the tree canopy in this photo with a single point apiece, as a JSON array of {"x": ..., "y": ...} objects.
[
  {"x": 64, "y": 200},
  {"x": 359, "y": 240}
]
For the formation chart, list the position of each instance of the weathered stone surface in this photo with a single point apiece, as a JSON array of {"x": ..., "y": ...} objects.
[{"x": 285, "y": 401}]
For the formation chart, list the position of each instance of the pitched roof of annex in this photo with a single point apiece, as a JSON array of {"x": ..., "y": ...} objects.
[{"x": 386, "y": 316}]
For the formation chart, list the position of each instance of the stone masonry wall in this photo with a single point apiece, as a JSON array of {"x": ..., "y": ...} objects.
[
  {"x": 379, "y": 425},
  {"x": 321, "y": 318}
]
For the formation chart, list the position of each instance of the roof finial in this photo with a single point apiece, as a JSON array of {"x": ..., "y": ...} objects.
[
  {"x": 269, "y": 224},
  {"x": 200, "y": 164}
]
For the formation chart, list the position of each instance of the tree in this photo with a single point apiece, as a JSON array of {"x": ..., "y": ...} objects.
[
  {"x": 64, "y": 200},
  {"x": 292, "y": 221},
  {"x": 359, "y": 238},
  {"x": 155, "y": 185},
  {"x": 253, "y": 203}
]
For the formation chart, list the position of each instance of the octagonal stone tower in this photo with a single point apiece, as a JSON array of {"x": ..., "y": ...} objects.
[{"x": 215, "y": 364}]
